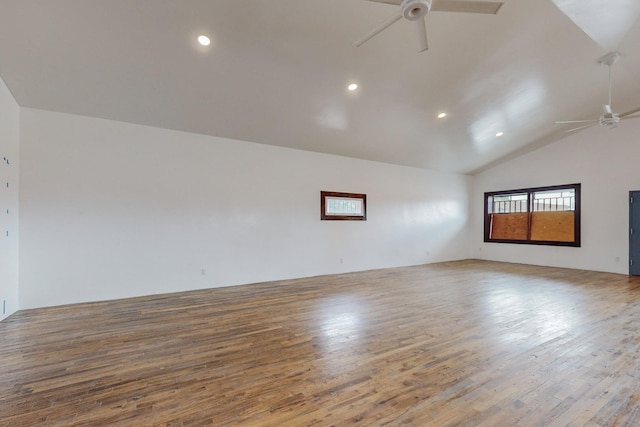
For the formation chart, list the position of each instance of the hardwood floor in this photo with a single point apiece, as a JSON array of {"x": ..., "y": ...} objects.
[{"x": 467, "y": 343}]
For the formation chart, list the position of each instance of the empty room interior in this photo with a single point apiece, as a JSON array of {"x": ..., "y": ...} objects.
[{"x": 319, "y": 212}]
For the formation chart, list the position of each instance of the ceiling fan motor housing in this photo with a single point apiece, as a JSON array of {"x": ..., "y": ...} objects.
[
  {"x": 611, "y": 121},
  {"x": 413, "y": 10}
]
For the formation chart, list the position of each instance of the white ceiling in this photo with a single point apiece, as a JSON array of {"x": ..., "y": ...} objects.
[{"x": 277, "y": 73}]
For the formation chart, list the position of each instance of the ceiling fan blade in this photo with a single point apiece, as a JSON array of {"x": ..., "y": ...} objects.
[
  {"x": 580, "y": 127},
  {"x": 386, "y": 24},
  {"x": 466, "y": 6},
  {"x": 396, "y": 2},
  {"x": 560, "y": 122},
  {"x": 629, "y": 113},
  {"x": 422, "y": 35}
]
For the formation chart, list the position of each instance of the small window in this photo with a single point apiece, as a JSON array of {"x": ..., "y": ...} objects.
[
  {"x": 343, "y": 206},
  {"x": 542, "y": 216}
]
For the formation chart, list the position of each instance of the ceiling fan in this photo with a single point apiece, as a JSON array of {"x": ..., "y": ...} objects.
[
  {"x": 416, "y": 10},
  {"x": 608, "y": 118}
]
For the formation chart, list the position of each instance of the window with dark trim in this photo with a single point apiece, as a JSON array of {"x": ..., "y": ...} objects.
[
  {"x": 539, "y": 216},
  {"x": 343, "y": 206}
]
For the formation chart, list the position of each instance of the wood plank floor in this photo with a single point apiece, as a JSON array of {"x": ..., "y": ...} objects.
[{"x": 467, "y": 343}]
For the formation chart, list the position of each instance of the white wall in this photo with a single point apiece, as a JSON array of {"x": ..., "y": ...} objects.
[
  {"x": 606, "y": 162},
  {"x": 111, "y": 210},
  {"x": 9, "y": 138}
]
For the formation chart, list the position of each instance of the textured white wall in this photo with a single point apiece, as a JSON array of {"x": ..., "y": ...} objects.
[
  {"x": 111, "y": 210},
  {"x": 606, "y": 162},
  {"x": 9, "y": 138}
]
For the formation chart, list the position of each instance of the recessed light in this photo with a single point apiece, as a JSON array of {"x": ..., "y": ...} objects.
[
  {"x": 352, "y": 87},
  {"x": 204, "y": 40},
  {"x": 499, "y": 133},
  {"x": 442, "y": 115}
]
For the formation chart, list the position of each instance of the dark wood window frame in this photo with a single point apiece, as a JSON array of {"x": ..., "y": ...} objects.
[
  {"x": 325, "y": 196},
  {"x": 530, "y": 192}
]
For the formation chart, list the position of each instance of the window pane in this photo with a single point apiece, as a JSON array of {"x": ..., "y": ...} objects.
[
  {"x": 554, "y": 201},
  {"x": 509, "y": 203},
  {"x": 343, "y": 206}
]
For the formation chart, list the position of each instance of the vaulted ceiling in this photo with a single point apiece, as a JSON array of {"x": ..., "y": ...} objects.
[{"x": 277, "y": 72}]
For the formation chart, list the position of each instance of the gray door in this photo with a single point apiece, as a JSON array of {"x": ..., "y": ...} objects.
[{"x": 634, "y": 233}]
